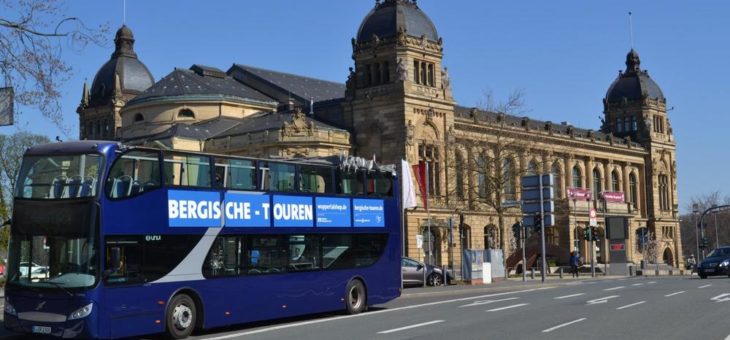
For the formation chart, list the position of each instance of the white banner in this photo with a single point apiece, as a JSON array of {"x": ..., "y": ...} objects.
[{"x": 409, "y": 190}]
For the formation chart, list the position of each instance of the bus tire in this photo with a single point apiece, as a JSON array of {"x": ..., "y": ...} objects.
[
  {"x": 180, "y": 317},
  {"x": 355, "y": 297}
]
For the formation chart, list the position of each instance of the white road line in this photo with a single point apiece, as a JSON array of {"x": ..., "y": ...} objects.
[
  {"x": 312, "y": 322},
  {"x": 486, "y": 302},
  {"x": 651, "y": 282},
  {"x": 637, "y": 284},
  {"x": 562, "y": 325},
  {"x": 705, "y": 286},
  {"x": 508, "y": 307},
  {"x": 601, "y": 300},
  {"x": 411, "y": 326},
  {"x": 721, "y": 298},
  {"x": 614, "y": 288},
  {"x": 675, "y": 293},
  {"x": 631, "y": 305},
  {"x": 568, "y": 296}
]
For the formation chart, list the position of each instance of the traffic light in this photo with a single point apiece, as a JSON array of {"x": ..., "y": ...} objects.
[
  {"x": 538, "y": 222},
  {"x": 705, "y": 243},
  {"x": 589, "y": 234},
  {"x": 516, "y": 232}
]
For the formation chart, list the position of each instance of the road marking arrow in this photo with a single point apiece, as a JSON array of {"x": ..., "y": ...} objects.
[
  {"x": 486, "y": 302},
  {"x": 721, "y": 298},
  {"x": 601, "y": 300}
]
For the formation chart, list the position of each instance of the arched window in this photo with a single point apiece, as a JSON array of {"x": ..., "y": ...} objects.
[
  {"x": 633, "y": 190},
  {"x": 482, "y": 176},
  {"x": 634, "y": 124},
  {"x": 577, "y": 177},
  {"x": 663, "y": 192},
  {"x": 619, "y": 125},
  {"x": 627, "y": 125},
  {"x": 460, "y": 171},
  {"x": 614, "y": 181},
  {"x": 138, "y": 118},
  {"x": 532, "y": 168},
  {"x": 558, "y": 179},
  {"x": 467, "y": 237},
  {"x": 597, "y": 187},
  {"x": 508, "y": 177},
  {"x": 186, "y": 114}
]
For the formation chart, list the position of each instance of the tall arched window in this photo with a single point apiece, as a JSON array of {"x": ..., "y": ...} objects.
[
  {"x": 558, "y": 179},
  {"x": 619, "y": 125},
  {"x": 663, "y": 192},
  {"x": 186, "y": 114},
  {"x": 614, "y": 181},
  {"x": 482, "y": 176},
  {"x": 597, "y": 187},
  {"x": 634, "y": 125},
  {"x": 508, "y": 177},
  {"x": 577, "y": 177},
  {"x": 633, "y": 190},
  {"x": 467, "y": 237},
  {"x": 460, "y": 171}
]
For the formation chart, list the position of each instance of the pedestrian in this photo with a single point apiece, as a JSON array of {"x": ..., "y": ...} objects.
[
  {"x": 574, "y": 263},
  {"x": 691, "y": 263}
]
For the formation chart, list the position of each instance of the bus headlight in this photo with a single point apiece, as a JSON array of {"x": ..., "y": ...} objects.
[
  {"x": 82, "y": 312},
  {"x": 10, "y": 309}
]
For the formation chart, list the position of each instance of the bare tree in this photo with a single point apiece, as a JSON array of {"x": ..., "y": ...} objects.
[{"x": 31, "y": 37}]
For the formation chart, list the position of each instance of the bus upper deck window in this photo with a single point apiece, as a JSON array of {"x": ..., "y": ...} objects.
[
  {"x": 315, "y": 179},
  {"x": 277, "y": 176},
  {"x": 351, "y": 183},
  {"x": 379, "y": 184},
  {"x": 187, "y": 170},
  {"x": 132, "y": 174}
]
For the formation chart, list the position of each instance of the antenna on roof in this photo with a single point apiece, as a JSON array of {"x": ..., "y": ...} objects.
[
  {"x": 631, "y": 30},
  {"x": 124, "y": 12},
  {"x": 311, "y": 106}
]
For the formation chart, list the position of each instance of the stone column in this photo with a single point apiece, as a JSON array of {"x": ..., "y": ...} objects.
[{"x": 568, "y": 170}]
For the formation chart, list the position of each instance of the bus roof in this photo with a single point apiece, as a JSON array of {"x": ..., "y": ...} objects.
[{"x": 83, "y": 146}]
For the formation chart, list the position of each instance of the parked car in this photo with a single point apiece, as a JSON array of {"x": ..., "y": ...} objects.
[
  {"x": 36, "y": 271},
  {"x": 716, "y": 263},
  {"x": 413, "y": 273}
]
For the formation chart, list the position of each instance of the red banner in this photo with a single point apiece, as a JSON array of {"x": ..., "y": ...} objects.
[
  {"x": 421, "y": 171},
  {"x": 580, "y": 194},
  {"x": 613, "y": 196}
]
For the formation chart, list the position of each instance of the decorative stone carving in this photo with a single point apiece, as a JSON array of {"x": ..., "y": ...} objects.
[
  {"x": 445, "y": 80},
  {"x": 410, "y": 133},
  {"x": 298, "y": 125},
  {"x": 401, "y": 71}
]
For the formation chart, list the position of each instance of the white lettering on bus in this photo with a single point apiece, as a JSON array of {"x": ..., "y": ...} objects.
[
  {"x": 238, "y": 210},
  {"x": 172, "y": 209},
  {"x": 293, "y": 212},
  {"x": 265, "y": 207}
]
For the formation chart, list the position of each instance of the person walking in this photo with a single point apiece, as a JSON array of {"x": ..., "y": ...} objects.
[{"x": 574, "y": 263}]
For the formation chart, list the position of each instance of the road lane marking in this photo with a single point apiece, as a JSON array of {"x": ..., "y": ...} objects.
[
  {"x": 631, "y": 305},
  {"x": 562, "y": 325},
  {"x": 705, "y": 286},
  {"x": 411, "y": 326},
  {"x": 721, "y": 298},
  {"x": 637, "y": 284},
  {"x": 614, "y": 288},
  {"x": 568, "y": 296},
  {"x": 508, "y": 307},
  {"x": 676, "y": 293},
  {"x": 337, "y": 318},
  {"x": 601, "y": 300},
  {"x": 651, "y": 282},
  {"x": 486, "y": 302}
]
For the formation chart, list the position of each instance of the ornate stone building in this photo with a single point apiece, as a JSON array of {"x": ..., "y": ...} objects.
[{"x": 397, "y": 103}]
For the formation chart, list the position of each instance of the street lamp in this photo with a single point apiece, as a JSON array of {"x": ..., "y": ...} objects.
[
  {"x": 695, "y": 210},
  {"x": 717, "y": 237}
]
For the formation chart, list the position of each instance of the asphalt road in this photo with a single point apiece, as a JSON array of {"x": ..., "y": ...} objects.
[{"x": 626, "y": 308}]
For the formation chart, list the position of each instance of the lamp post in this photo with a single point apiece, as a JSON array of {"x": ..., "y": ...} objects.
[
  {"x": 695, "y": 210},
  {"x": 717, "y": 237}
]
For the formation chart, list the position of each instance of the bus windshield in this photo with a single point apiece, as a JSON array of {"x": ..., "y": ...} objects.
[
  {"x": 52, "y": 261},
  {"x": 59, "y": 176}
]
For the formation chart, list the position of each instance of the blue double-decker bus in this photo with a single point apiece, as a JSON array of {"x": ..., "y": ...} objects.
[{"x": 111, "y": 241}]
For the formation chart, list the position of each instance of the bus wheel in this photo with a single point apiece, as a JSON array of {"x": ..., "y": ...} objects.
[
  {"x": 180, "y": 317},
  {"x": 355, "y": 299}
]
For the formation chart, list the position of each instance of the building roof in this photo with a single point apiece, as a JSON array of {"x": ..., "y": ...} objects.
[
  {"x": 201, "y": 82},
  {"x": 557, "y": 128},
  {"x": 284, "y": 86},
  {"x": 393, "y": 16},
  {"x": 134, "y": 77},
  {"x": 634, "y": 83}
]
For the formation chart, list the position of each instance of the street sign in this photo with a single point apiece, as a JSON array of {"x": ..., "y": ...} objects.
[
  {"x": 419, "y": 241},
  {"x": 534, "y": 194},
  {"x": 592, "y": 220},
  {"x": 511, "y": 204},
  {"x": 534, "y": 181},
  {"x": 580, "y": 194},
  {"x": 613, "y": 196},
  {"x": 534, "y": 207}
]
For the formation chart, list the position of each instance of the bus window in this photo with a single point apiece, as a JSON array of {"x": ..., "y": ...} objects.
[
  {"x": 379, "y": 184},
  {"x": 241, "y": 175},
  {"x": 58, "y": 177},
  {"x": 187, "y": 170},
  {"x": 351, "y": 250},
  {"x": 304, "y": 252},
  {"x": 265, "y": 254},
  {"x": 350, "y": 183},
  {"x": 130, "y": 261},
  {"x": 223, "y": 258},
  {"x": 277, "y": 177},
  {"x": 316, "y": 179},
  {"x": 132, "y": 174}
]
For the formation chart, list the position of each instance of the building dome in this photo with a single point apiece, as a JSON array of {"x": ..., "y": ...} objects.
[
  {"x": 134, "y": 77},
  {"x": 392, "y": 16},
  {"x": 633, "y": 84}
]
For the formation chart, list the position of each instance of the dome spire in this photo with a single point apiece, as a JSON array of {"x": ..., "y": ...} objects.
[
  {"x": 633, "y": 62},
  {"x": 124, "y": 42}
]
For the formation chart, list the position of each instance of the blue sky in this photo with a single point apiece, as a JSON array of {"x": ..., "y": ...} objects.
[{"x": 562, "y": 54}]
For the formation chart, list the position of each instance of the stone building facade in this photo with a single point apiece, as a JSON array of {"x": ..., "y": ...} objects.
[{"x": 397, "y": 103}]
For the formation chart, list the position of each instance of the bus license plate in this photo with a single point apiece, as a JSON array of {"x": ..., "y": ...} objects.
[{"x": 41, "y": 330}]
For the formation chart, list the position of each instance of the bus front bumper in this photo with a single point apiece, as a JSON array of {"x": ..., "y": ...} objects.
[{"x": 51, "y": 324}]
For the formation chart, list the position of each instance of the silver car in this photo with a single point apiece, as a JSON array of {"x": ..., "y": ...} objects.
[{"x": 414, "y": 272}]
